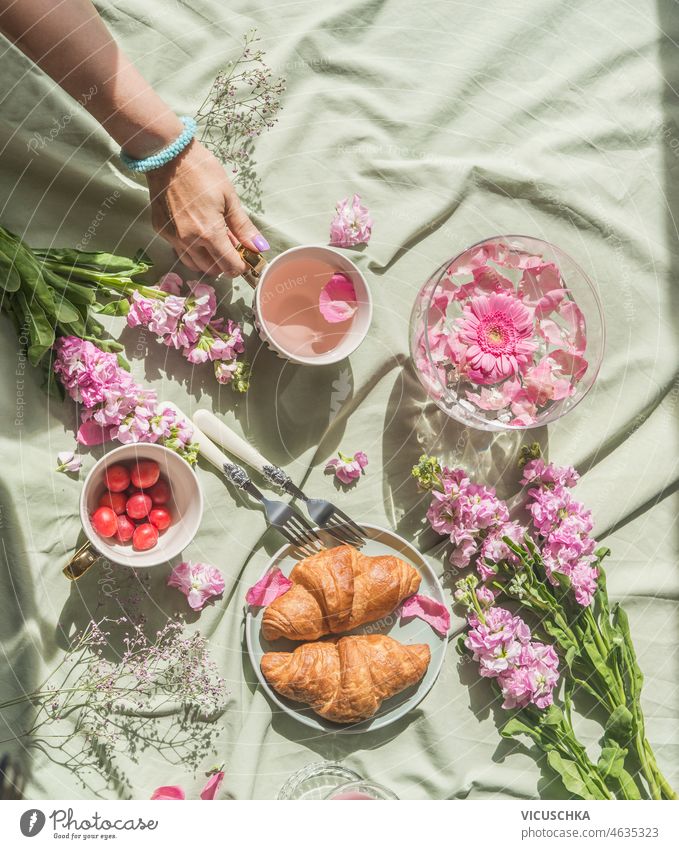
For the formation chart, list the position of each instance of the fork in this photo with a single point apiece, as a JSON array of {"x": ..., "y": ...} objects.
[
  {"x": 279, "y": 515},
  {"x": 325, "y": 514}
]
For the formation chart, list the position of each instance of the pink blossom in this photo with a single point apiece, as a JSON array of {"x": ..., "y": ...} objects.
[
  {"x": 166, "y": 314},
  {"x": 337, "y": 300},
  {"x": 201, "y": 306},
  {"x": 269, "y": 587},
  {"x": 538, "y": 472},
  {"x": 224, "y": 372},
  {"x": 497, "y": 330},
  {"x": 429, "y": 610},
  {"x": 352, "y": 224},
  {"x": 532, "y": 679},
  {"x": 198, "y": 581},
  {"x": 141, "y": 310},
  {"x": 171, "y": 283},
  {"x": 347, "y": 469}
]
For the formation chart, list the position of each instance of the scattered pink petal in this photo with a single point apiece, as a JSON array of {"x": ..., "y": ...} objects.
[
  {"x": 69, "y": 461},
  {"x": 198, "y": 581},
  {"x": 337, "y": 301},
  {"x": 172, "y": 792},
  {"x": 428, "y": 609},
  {"x": 352, "y": 224},
  {"x": 267, "y": 589},
  {"x": 92, "y": 433},
  {"x": 347, "y": 469},
  {"x": 212, "y": 787},
  {"x": 487, "y": 280}
]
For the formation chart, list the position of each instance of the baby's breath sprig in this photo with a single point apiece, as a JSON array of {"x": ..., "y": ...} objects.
[{"x": 242, "y": 103}]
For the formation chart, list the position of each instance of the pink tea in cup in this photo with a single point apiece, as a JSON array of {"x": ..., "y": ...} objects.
[{"x": 287, "y": 306}]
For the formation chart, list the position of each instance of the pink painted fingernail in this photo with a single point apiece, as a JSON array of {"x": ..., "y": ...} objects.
[{"x": 260, "y": 243}]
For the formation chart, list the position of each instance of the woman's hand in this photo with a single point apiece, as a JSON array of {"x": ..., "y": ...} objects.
[{"x": 195, "y": 207}]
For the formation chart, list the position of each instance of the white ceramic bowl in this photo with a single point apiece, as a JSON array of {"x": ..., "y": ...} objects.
[
  {"x": 186, "y": 505},
  {"x": 362, "y": 319}
]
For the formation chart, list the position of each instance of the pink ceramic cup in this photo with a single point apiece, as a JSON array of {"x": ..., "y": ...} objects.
[{"x": 286, "y": 306}]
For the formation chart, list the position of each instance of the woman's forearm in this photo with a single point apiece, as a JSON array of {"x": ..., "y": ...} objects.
[{"x": 71, "y": 43}]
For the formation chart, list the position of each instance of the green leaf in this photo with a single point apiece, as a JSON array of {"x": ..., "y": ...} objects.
[
  {"x": 553, "y": 715},
  {"x": 40, "y": 330},
  {"x": 563, "y": 638},
  {"x": 620, "y": 725},
  {"x": 66, "y": 313},
  {"x": 118, "y": 307},
  {"x": 569, "y": 656},
  {"x": 515, "y": 726},
  {"x": 611, "y": 760},
  {"x": 570, "y": 775},
  {"x": 628, "y": 785},
  {"x": 10, "y": 279},
  {"x": 634, "y": 673}
]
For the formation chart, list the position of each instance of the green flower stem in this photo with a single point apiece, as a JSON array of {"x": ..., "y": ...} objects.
[{"x": 124, "y": 285}]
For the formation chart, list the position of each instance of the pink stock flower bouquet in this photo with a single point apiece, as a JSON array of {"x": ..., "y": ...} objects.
[
  {"x": 540, "y": 624},
  {"x": 508, "y": 334}
]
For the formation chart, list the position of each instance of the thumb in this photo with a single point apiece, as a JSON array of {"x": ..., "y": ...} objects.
[{"x": 242, "y": 228}]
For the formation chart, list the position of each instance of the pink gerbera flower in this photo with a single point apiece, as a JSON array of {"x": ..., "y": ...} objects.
[{"x": 497, "y": 330}]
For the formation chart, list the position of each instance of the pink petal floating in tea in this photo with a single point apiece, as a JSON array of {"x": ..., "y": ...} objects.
[
  {"x": 268, "y": 588},
  {"x": 429, "y": 610},
  {"x": 92, "y": 433},
  {"x": 337, "y": 301}
]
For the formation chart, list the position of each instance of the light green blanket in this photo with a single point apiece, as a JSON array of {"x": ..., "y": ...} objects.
[{"x": 454, "y": 121}]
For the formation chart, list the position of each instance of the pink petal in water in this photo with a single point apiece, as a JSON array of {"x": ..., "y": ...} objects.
[
  {"x": 337, "y": 301},
  {"x": 268, "y": 588},
  {"x": 429, "y": 610}
]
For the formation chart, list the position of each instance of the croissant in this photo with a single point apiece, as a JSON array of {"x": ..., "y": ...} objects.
[
  {"x": 337, "y": 590},
  {"x": 346, "y": 679}
]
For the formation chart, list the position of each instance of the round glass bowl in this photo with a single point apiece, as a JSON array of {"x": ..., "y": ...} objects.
[
  {"x": 508, "y": 335},
  {"x": 361, "y": 790},
  {"x": 317, "y": 781}
]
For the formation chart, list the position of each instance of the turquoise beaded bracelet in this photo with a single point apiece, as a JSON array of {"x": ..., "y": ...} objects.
[{"x": 157, "y": 160}]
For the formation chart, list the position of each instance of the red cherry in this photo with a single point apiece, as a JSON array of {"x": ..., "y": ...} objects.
[
  {"x": 104, "y": 522},
  {"x": 160, "y": 493},
  {"x": 144, "y": 473},
  {"x": 145, "y": 537},
  {"x": 125, "y": 530},
  {"x": 138, "y": 506},
  {"x": 117, "y": 478},
  {"x": 161, "y": 518},
  {"x": 115, "y": 500}
]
